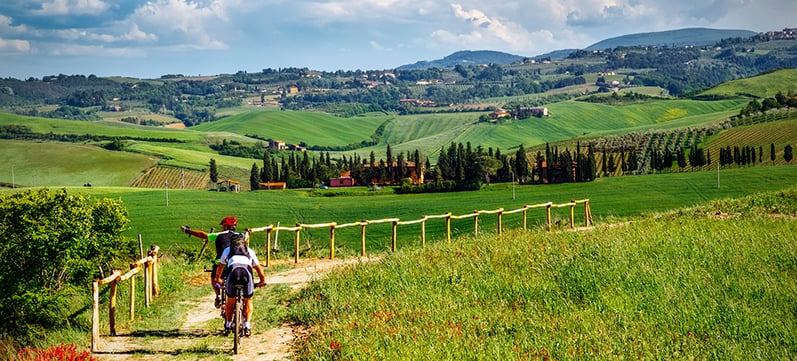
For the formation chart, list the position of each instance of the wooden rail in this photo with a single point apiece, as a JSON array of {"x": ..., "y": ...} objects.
[
  {"x": 150, "y": 274},
  {"x": 500, "y": 212}
]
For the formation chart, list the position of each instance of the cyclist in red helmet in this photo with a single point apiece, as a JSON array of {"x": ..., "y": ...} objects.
[{"x": 221, "y": 240}]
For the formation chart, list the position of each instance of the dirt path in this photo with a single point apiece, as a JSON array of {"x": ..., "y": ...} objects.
[{"x": 192, "y": 335}]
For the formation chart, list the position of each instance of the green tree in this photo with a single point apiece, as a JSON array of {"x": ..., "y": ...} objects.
[
  {"x": 267, "y": 173},
  {"x": 214, "y": 173},
  {"x": 55, "y": 243},
  {"x": 254, "y": 177},
  {"x": 787, "y": 153},
  {"x": 521, "y": 164},
  {"x": 772, "y": 152}
]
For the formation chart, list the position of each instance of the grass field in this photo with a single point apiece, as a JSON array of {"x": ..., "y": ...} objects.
[
  {"x": 296, "y": 127},
  {"x": 612, "y": 199},
  {"x": 762, "y": 86},
  {"x": 685, "y": 285},
  {"x": 66, "y": 164}
]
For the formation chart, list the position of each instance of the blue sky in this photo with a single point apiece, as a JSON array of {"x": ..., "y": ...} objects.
[{"x": 147, "y": 39}]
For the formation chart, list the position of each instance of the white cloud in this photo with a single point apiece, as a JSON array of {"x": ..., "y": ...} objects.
[
  {"x": 6, "y": 27},
  {"x": 72, "y": 7},
  {"x": 14, "y": 46},
  {"x": 486, "y": 32},
  {"x": 184, "y": 23}
]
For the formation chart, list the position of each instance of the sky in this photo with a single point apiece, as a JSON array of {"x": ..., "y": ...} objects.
[{"x": 150, "y": 38}]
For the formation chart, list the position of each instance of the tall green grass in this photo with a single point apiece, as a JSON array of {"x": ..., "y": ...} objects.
[{"x": 685, "y": 285}]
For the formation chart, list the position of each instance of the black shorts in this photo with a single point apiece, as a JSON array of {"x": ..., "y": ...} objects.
[
  {"x": 240, "y": 275},
  {"x": 213, "y": 272}
]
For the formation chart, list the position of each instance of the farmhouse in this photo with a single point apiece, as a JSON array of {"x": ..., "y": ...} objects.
[
  {"x": 524, "y": 112},
  {"x": 341, "y": 182},
  {"x": 499, "y": 113},
  {"x": 277, "y": 144}
]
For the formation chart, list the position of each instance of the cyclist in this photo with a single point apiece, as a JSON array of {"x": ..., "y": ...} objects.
[
  {"x": 221, "y": 240},
  {"x": 239, "y": 259}
]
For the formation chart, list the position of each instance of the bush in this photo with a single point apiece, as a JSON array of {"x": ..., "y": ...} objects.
[{"x": 56, "y": 244}]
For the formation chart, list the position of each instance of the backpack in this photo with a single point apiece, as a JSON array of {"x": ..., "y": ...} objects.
[
  {"x": 238, "y": 245},
  {"x": 222, "y": 242}
]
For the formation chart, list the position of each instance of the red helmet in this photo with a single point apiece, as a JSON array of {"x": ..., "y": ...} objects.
[{"x": 230, "y": 221}]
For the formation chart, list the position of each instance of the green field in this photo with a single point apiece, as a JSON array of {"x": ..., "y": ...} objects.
[
  {"x": 65, "y": 164},
  {"x": 762, "y": 86},
  {"x": 296, "y": 127},
  {"x": 611, "y": 199}
]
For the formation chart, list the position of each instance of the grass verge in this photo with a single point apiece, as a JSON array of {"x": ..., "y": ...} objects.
[{"x": 711, "y": 282}]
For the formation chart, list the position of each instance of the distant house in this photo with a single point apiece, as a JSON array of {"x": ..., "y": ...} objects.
[
  {"x": 228, "y": 185},
  {"x": 417, "y": 102},
  {"x": 293, "y": 89},
  {"x": 341, "y": 182},
  {"x": 499, "y": 113},
  {"x": 273, "y": 185},
  {"x": 297, "y": 147},
  {"x": 525, "y": 112},
  {"x": 277, "y": 144}
]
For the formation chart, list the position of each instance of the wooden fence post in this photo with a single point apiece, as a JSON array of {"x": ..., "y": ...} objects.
[
  {"x": 112, "y": 307},
  {"x": 268, "y": 246},
  {"x": 500, "y": 214},
  {"x": 525, "y": 213},
  {"x": 147, "y": 283},
  {"x": 475, "y": 222},
  {"x": 132, "y": 294},
  {"x": 332, "y": 241},
  {"x": 548, "y": 216},
  {"x": 587, "y": 214},
  {"x": 393, "y": 238},
  {"x": 156, "y": 290},
  {"x": 362, "y": 237},
  {"x": 448, "y": 227},
  {"x": 572, "y": 214},
  {"x": 423, "y": 231},
  {"x": 95, "y": 317},
  {"x": 296, "y": 243}
]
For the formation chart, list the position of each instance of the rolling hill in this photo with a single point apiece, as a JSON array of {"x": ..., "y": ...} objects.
[
  {"x": 466, "y": 58},
  {"x": 673, "y": 38}
]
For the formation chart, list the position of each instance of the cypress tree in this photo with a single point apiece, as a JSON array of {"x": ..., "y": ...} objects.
[
  {"x": 214, "y": 173},
  {"x": 266, "y": 173},
  {"x": 254, "y": 177},
  {"x": 787, "y": 153},
  {"x": 443, "y": 165},
  {"x": 772, "y": 152}
]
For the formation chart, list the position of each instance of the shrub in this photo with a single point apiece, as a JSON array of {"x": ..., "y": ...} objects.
[{"x": 56, "y": 243}]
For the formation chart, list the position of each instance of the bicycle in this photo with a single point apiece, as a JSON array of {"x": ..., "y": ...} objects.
[{"x": 238, "y": 323}]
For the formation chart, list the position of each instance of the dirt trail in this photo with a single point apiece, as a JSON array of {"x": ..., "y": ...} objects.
[{"x": 192, "y": 335}]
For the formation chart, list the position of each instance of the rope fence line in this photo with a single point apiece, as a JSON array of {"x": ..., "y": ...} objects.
[{"x": 500, "y": 212}]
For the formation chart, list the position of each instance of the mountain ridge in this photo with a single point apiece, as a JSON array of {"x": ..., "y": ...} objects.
[{"x": 678, "y": 37}]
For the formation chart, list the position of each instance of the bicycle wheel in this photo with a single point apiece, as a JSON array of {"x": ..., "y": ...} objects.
[{"x": 238, "y": 320}]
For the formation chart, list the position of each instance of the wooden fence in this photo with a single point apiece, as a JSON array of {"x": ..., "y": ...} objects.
[
  {"x": 150, "y": 274},
  {"x": 396, "y": 222}
]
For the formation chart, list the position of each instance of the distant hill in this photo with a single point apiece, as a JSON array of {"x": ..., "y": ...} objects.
[
  {"x": 466, "y": 57},
  {"x": 681, "y": 37}
]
